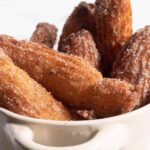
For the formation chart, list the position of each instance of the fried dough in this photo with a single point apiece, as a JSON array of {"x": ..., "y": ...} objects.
[
  {"x": 133, "y": 62},
  {"x": 21, "y": 94},
  {"x": 82, "y": 44},
  {"x": 71, "y": 79},
  {"x": 110, "y": 97},
  {"x": 82, "y": 17},
  {"x": 45, "y": 33},
  {"x": 66, "y": 76},
  {"x": 114, "y": 27}
]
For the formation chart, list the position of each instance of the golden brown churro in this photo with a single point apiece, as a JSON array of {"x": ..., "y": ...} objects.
[
  {"x": 110, "y": 97},
  {"x": 45, "y": 33},
  {"x": 133, "y": 63},
  {"x": 66, "y": 76},
  {"x": 71, "y": 79},
  {"x": 82, "y": 17},
  {"x": 82, "y": 44},
  {"x": 21, "y": 94},
  {"x": 114, "y": 27}
]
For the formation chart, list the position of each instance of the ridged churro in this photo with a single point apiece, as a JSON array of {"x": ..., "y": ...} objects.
[
  {"x": 21, "y": 94},
  {"x": 110, "y": 97},
  {"x": 45, "y": 33},
  {"x": 114, "y": 27},
  {"x": 71, "y": 79},
  {"x": 133, "y": 63},
  {"x": 82, "y": 17},
  {"x": 82, "y": 44},
  {"x": 66, "y": 76}
]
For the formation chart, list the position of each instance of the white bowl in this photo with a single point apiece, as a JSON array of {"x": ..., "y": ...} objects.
[{"x": 126, "y": 132}]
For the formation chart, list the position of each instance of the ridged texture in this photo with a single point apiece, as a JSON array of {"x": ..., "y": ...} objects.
[
  {"x": 114, "y": 27},
  {"x": 82, "y": 44},
  {"x": 21, "y": 94},
  {"x": 71, "y": 79},
  {"x": 66, "y": 76},
  {"x": 110, "y": 97},
  {"x": 45, "y": 33},
  {"x": 82, "y": 17},
  {"x": 133, "y": 63}
]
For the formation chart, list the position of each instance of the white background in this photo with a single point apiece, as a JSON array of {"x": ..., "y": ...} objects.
[{"x": 18, "y": 18}]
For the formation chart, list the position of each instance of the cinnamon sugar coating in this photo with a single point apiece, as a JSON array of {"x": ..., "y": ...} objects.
[
  {"x": 66, "y": 76},
  {"x": 82, "y": 44},
  {"x": 133, "y": 63},
  {"x": 114, "y": 27},
  {"x": 87, "y": 114},
  {"x": 21, "y": 94},
  {"x": 71, "y": 79},
  {"x": 110, "y": 97},
  {"x": 45, "y": 33},
  {"x": 82, "y": 17}
]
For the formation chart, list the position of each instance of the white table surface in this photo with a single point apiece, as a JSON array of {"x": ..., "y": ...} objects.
[{"x": 18, "y": 18}]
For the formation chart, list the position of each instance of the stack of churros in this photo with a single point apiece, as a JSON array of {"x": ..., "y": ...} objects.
[{"x": 100, "y": 69}]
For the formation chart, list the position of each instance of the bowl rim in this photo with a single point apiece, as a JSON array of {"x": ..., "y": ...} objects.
[{"x": 8, "y": 113}]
